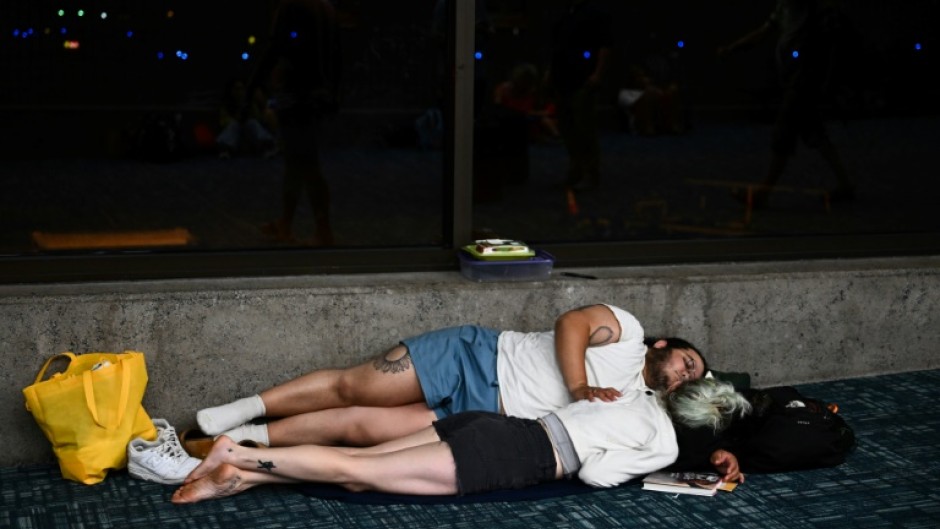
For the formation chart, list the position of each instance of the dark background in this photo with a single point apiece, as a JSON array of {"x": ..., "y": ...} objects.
[
  {"x": 392, "y": 54},
  {"x": 71, "y": 119}
]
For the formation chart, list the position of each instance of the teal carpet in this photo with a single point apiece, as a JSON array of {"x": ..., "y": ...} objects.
[{"x": 892, "y": 480}]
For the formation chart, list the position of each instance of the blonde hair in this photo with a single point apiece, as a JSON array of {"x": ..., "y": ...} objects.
[{"x": 706, "y": 402}]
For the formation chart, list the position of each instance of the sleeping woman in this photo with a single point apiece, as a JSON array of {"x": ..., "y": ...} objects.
[{"x": 602, "y": 443}]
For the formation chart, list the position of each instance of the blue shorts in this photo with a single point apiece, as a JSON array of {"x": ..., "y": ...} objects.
[{"x": 456, "y": 369}]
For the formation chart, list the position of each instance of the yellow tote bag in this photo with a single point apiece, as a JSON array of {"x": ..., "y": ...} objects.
[{"x": 91, "y": 411}]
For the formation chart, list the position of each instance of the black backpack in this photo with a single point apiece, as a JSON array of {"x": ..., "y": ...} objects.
[{"x": 788, "y": 431}]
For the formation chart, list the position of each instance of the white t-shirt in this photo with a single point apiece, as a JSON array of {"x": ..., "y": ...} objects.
[
  {"x": 621, "y": 440},
  {"x": 530, "y": 381}
]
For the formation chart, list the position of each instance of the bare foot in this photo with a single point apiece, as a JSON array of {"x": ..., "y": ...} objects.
[
  {"x": 226, "y": 480},
  {"x": 220, "y": 449}
]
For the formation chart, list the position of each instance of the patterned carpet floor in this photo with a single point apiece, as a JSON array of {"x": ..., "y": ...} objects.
[{"x": 892, "y": 480}]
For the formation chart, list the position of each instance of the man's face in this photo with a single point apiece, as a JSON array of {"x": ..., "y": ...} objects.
[{"x": 669, "y": 368}]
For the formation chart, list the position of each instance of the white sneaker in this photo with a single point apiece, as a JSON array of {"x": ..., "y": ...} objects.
[
  {"x": 166, "y": 432},
  {"x": 162, "y": 460},
  {"x": 162, "y": 425}
]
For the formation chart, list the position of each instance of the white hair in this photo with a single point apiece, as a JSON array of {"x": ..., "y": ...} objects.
[{"x": 705, "y": 402}]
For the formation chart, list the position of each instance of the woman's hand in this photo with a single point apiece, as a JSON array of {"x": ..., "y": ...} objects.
[{"x": 727, "y": 465}]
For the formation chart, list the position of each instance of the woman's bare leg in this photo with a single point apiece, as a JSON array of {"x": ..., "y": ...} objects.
[
  {"x": 408, "y": 468},
  {"x": 225, "y": 480}
]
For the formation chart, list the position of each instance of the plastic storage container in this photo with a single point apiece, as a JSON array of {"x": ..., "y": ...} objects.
[{"x": 536, "y": 268}]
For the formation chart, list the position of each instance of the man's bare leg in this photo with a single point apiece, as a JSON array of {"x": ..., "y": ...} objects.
[
  {"x": 387, "y": 380},
  {"x": 353, "y": 426},
  {"x": 424, "y": 436}
]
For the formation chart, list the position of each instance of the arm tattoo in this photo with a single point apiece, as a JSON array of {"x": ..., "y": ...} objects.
[
  {"x": 386, "y": 363},
  {"x": 601, "y": 336},
  {"x": 266, "y": 465}
]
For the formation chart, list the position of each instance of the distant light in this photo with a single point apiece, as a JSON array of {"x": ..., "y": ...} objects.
[
  {"x": 795, "y": 54},
  {"x": 104, "y": 15},
  {"x": 81, "y": 12},
  {"x": 63, "y": 31},
  {"x": 680, "y": 44},
  {"x": 160, "y": 55},
  {"x": 130, "y": 33},
  {"x": 61, "y": 12},
  {"x": 70, "y": 44},
  {"x": 587, "y": 54},
  {"x": 478, "y": 55},
  {"x": 245, "y": 56},
  {"x": 293, "y": 34},
  {"x": 16, "y": 33},
  {"x": 29, "y": 31},
  {"x": 252, "y": 40},
  {"x": 917, "y": 46},
  {"x": 170, "y": 14}
]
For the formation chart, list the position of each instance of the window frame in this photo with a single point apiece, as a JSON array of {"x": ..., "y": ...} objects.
[{"x": 458, "y": 219}]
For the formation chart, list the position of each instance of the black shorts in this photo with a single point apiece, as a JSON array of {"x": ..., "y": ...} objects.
[{"x": 494, "y": 452}]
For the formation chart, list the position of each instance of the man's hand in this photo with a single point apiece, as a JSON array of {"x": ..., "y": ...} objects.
[
  {"x": 727, "y": 465},
  {"x": 590, "y": 393},
  {"x": 576, "y": 331}
]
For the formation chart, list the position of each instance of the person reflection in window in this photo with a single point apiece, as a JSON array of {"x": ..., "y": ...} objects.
[
  {"x": 522, "y": 93},
  {"x": 302, "y": 66},
  {"x": 806, "y": 30},
  {"x": 581, "y": 44}
]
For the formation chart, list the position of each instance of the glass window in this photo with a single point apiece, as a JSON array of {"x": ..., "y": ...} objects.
[
  {"x": 196, "y": 126},
  {"x": 641, "y": 121},
  {"x": 220, "y": 132}
]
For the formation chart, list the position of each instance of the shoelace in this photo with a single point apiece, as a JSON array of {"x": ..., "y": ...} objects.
[{"x": 171, "y": 446}]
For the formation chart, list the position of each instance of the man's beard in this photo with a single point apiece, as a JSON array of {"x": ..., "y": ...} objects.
[{"x": 656, "y": 367}]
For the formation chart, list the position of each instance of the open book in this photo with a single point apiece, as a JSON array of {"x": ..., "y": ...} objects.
[{"x": 698, "y": 483}]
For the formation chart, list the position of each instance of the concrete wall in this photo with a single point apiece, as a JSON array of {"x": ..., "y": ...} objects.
[{"x": 208, "y": 341}]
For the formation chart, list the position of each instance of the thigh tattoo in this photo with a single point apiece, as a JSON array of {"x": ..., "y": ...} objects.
[{"x": 389, "y": 363}]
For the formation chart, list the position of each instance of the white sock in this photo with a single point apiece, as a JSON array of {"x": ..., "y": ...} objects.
[
  {"x": 251, "y": 432},
  {"x": 213, "y": 421}
]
